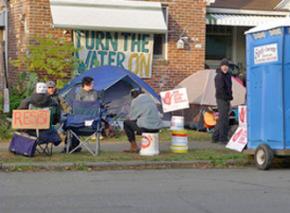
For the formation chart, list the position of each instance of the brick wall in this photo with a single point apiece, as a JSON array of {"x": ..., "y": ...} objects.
[
  {"x": 188, "y": 16},
  {"x": 32, "y": 17}
]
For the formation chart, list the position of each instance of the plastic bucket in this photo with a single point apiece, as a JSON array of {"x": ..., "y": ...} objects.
[
  {"x": 179, "y": 142},
  {"x": 149, "y": 144},
  {"x": 179, "y": 149},
  {"x": 177, "y": 123}
]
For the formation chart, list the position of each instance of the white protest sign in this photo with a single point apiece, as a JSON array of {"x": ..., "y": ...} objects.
[
  {"x": 174, "y": 100},
  {"x": 243, "y": 116},
  {"x": 239, "y": 140}
]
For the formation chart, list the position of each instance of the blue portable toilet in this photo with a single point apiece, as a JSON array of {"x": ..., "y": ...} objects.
[{"x": 268, "y": 91}]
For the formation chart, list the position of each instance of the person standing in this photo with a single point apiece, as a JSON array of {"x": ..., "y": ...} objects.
[{"x": 224, "y": 95}]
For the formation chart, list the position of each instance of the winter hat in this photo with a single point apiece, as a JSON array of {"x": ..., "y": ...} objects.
[
  {"x": 50, "y": 84},
  {"x": 41, "y": 88},
  {"x": 225, "y": 62}
]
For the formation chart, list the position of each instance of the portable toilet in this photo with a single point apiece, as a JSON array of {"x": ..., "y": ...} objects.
[{"x": 268, "y": 91}]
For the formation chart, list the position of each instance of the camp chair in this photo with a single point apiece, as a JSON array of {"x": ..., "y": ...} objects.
[
  {"x": 85, "y": 120},
  {"x": 40, "y": 136},
  {"x": 46, "y": 138}
]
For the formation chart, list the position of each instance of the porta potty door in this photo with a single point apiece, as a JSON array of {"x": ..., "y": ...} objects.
[{"x": 265, "y": 89}]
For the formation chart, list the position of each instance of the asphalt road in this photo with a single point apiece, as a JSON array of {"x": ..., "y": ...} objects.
[{"x": 168, "y": 191}]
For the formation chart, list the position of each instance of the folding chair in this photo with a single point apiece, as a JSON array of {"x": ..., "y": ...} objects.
[
  {"x": 40, "y": 134},
  {"x": 85, "y": 120},
  {"x": 46, "y": 139}
]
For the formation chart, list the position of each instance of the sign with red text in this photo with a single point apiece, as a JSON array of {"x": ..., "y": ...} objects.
[
  {"x": 243, "y": 116},
  {"x": 173, "y": 100},
  {"x": 266, "y": 53},
  {"x": 239, "y": 140},
  {"x": 31, "y": 119}
]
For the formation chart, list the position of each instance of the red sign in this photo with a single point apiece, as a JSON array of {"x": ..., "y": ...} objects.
[{"x": 31, "y": 119}]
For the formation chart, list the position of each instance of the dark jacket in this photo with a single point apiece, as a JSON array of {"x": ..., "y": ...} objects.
[
  {"x": 223, "y": 86},
  {"x": 42, "y": 101}
]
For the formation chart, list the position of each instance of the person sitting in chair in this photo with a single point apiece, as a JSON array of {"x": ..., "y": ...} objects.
[
  {"x": 41, "y": 100},
  {"x": 87, "y": 93},
  {"x": 143, "y": 117}
]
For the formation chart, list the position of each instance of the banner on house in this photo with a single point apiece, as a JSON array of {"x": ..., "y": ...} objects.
[
  {"x": 132, "y": 51},
  {"x": 173, "y": 100}
]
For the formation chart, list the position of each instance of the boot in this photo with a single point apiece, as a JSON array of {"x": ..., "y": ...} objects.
[{"x": 134, "y": 147}]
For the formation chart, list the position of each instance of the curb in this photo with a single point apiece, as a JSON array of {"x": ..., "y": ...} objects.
[{"x": 103, "y": 166}]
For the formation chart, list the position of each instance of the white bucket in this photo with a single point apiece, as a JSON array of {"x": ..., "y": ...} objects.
[
  {"x": 149, "y": 144},
  {"x": 177, "y": 123}
]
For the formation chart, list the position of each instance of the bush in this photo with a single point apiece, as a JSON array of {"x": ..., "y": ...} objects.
[
  {"x": 53, "y": 57},
  {"x": 5, "y": 131},
  {"x": 22, "y": 89}
]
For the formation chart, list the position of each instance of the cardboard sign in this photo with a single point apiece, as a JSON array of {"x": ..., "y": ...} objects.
[
  {"x": 31, "y": 119},
  {"x": 239, "y": 140},
  {"x": 174, "y": 100},
  {"x": 243, "y": 116}
]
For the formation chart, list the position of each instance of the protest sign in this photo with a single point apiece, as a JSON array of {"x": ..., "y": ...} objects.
[
  {"x": 31, "y": 119},
  {"x": 132, "y": 51},
  {"x": 174, "y": 100}
]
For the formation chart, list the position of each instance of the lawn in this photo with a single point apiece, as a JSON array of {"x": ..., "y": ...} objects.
[{"x": 218, "y": 158}]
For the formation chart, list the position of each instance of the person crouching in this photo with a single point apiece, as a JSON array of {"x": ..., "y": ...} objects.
[{"x": 143, "y": 117}]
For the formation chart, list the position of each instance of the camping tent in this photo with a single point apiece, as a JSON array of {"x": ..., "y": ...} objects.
[
  {"x": 116, "y": 84},
  {"x": 201, "y": 89}
]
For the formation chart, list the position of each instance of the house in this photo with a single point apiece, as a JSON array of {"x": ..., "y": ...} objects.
[
  {"x": 227, "y": 20},
  {"x": 161, "y": 41}
]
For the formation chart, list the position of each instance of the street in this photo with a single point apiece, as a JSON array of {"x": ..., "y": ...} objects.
[{"x": 168, "y": 191}]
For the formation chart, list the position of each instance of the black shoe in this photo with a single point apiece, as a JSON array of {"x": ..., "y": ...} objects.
[{"x": 214, "y": 141}]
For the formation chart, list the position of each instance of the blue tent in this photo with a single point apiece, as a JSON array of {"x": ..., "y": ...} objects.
[{"x": 116, "y": 83}]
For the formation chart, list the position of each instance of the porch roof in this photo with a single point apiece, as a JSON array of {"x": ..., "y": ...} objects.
[
  {"x": 108, "y": 15},
  {"x": 249, "y": 20}
]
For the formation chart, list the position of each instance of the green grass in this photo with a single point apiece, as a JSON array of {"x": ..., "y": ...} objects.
[
  {"x": 165, "y": 136},
  {"x": 217, "y": 158},
  {"x": 203, "y": 154}
]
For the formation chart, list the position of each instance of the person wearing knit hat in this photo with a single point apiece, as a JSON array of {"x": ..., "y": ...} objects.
[
  {"x": 224, "y": 95},
  {"x": 40, "y": 99}
]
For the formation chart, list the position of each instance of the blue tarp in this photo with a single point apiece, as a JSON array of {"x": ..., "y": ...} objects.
[{"x": 116, "y": 84}]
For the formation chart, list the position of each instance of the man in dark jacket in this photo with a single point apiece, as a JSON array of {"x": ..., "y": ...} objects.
[{"x": 223, "y": 86}]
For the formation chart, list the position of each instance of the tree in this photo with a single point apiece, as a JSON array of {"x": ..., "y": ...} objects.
[{"x": 48, "y": 57}]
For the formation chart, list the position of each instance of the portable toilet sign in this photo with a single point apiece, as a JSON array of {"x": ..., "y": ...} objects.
[{"x": 268, "y": 91}]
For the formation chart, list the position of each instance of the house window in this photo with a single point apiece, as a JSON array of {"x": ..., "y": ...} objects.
[
  {"x": 218, "y": 42},
  {"x": 161, "y": 40}
]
